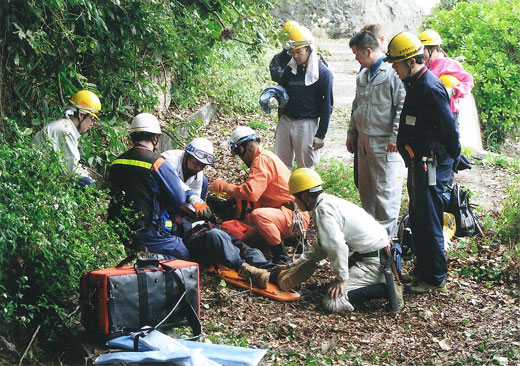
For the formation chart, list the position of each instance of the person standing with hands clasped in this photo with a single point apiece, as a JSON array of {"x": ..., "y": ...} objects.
[
  {"x": 373, "y": 129},
  {"x": 428, "y": 141}
]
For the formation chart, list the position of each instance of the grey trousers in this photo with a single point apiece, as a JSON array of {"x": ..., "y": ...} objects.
[
  {"x": 380, "y": 180},
  {"x": 293, "y": 140}
]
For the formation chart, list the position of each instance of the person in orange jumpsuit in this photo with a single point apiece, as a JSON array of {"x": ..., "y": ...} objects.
[{"x": 268, "y": 186}]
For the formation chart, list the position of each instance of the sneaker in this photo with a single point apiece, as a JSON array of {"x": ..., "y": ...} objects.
[
  {"x": 293, "y": 276},
  {"x": 399, "y": 295},
  {"x": 421, "y": 287},
  {"x": 340, "y": 305},
  {"x": 259, "y": 277}
]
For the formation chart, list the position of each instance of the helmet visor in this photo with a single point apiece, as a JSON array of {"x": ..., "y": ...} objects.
[{"x": 202, "y": 156}]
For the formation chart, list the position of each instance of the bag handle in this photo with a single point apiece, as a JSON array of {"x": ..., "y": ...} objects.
[{"x": 186, "y": 307}]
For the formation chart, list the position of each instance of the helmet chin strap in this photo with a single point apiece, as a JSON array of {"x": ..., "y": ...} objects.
[
  {"x": 76, "y": 114},
  {"x": 155, "y": 141},
  {"x": 408, "y": 80}
]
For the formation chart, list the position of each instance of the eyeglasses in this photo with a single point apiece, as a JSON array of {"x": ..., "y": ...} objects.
[
  {"x": 200, "y": 155},
  {"x": 298, "y": 52}
]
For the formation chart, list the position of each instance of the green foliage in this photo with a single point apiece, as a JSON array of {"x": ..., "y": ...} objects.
[
  {"x": 52, "y": 232},
  {"x": 259, "y": 125},
  {"x": 509, "y": 230},
  {"x": 338, "y": 180},
  {"x": 229, "y": 78},
  {"x": 125, "y": 51},
  {"x": 486, "y": 34}
]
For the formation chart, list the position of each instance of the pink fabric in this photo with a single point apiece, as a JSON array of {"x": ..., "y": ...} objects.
[{"x": 445, "y": 65}]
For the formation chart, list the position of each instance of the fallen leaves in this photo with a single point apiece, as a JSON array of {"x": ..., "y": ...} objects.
[{"x": 471, "y": 321}]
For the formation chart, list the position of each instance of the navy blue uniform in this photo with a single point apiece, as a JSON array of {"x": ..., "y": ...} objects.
[
  {"x": 428, "y": 126},
  {"x": 144, "y": 187},
  {"x": 312, "y": 101}
]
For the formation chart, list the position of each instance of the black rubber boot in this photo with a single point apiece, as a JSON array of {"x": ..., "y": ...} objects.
[
  {"x": 279, "y": 254},
  {"x": 370, "y": 292}
]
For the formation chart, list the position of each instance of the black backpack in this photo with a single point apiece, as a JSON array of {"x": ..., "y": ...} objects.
[
  {"x": 405, "y": 238},
  {"x": 458, "y": 204}
]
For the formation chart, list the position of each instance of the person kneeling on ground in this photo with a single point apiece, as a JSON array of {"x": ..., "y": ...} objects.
[
  {"x": 144, "y": 187},
  {"x": 344, "y": 232},
  {"x": 267, "y": 186},
  {"x": 189, "y": 165}
]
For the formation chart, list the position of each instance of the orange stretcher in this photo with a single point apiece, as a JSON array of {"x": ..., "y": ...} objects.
[{"x": 272, "y": 291}]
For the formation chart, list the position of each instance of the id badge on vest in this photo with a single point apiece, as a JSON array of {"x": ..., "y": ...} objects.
[{"x": 410, "y": 120}]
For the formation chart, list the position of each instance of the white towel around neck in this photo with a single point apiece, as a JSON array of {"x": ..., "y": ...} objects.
[{"x": 312, "y": 73}]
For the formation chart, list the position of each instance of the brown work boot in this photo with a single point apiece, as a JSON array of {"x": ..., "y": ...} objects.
[
  {"x": 259, "y": 277},
  {"x": 293, "y": 276}
]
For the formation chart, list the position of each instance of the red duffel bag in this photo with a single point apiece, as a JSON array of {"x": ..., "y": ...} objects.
[{"x": 121, "y": 300}]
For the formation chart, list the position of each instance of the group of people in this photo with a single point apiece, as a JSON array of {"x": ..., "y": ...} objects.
[{"x": 402, "y": 115}]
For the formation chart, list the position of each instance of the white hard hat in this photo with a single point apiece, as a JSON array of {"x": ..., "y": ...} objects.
[
  {"x": 145, "y": 122},
  {"x": 240, "y": 135},
  {"x": 202, "y": 150}
]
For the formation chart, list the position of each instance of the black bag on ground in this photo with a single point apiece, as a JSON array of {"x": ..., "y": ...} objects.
[
  {"x": 458, "y": 204},
  {"x": 117, "y": 301}
]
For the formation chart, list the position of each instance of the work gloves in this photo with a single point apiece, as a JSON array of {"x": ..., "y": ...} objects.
[
  {"x": 218, "y": 185},
  {"x": 461, "y": 163},
  {"x": 202, "y": 210},
  {"x": 273, "y": 103},
  {"x": 317, "y": 143}
]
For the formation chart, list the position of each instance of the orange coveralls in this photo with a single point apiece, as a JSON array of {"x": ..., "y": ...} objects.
[{"x": 268, "y": 184}]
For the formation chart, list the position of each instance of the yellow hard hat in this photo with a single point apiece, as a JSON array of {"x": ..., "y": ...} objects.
[
  {"x": 430, "y": 38},
  {"x": 450, "y": 227},
  {"x": 290, "y": 24},
  {"x": 299, "y": 36},
  {"x": 303, "y": 179},
  {"x": 403, "y": 46},
  {"x": 449, "y": 81},
  {"x": 86, "y": 102}
]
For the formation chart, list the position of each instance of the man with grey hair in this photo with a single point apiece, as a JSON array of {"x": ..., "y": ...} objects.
[{"x": 373, "y": 129}]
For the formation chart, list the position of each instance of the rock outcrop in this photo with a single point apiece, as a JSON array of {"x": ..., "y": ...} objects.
[{"x": 343, "y": 18}]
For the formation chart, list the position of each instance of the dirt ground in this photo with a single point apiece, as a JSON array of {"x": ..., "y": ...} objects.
[{"x": 475, "y": 322}]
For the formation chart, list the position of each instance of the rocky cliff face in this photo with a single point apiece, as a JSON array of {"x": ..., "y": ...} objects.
[{"x": 343, "y": 18}]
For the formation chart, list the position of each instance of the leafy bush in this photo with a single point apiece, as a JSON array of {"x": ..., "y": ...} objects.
[
  {"x": 509, "y": 231},
  {"x": 486, "y": 33},
  {"x": 338, "y": 180},
  {"x": 52, "y": 48},
  {"x": 229, "y": 78},
  {"x": 52, "y": 232}
]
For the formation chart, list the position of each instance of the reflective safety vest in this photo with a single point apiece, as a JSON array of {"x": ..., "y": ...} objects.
[{"x": 134, "y": 191}]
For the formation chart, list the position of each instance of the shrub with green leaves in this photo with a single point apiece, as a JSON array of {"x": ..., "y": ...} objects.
[
  {"x": 52, "y": 232},
  {"x": 486, "y": 34},
  {"x": 53, "y": 48},
  {"x": 229, "y": 78}
]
